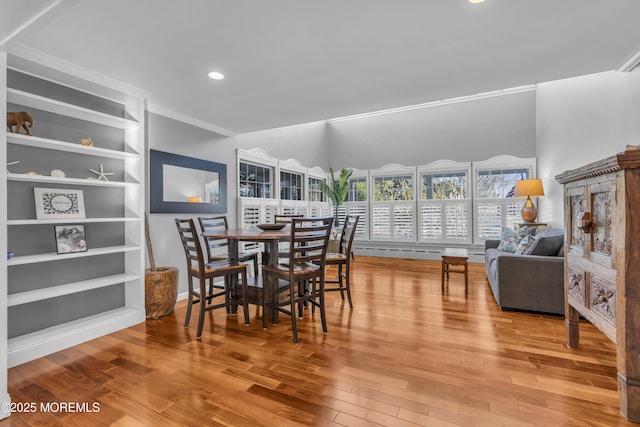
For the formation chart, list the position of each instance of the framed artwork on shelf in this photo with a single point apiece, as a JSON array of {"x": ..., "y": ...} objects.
[
  {"x": 52, "y": 203},
  {"x": 70, "y": 238}
]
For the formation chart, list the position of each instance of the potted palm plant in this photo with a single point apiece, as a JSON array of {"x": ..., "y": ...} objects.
[{"x": 337, "y": 191}]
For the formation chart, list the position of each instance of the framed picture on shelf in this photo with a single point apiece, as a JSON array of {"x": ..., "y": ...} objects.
[
  {"x": 70, "y": 238},
  {"x": 52, "y": 203}
]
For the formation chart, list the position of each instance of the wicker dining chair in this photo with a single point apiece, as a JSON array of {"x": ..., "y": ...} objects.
[{"x": 203, "y": 272}]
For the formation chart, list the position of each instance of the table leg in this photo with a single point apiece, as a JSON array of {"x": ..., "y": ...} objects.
[
  {"x": 232, "y": 253},
  {"x": 270, "y": 288},
  {"x": 466, "y": 278},
  {"x": 443, "y": 270}
]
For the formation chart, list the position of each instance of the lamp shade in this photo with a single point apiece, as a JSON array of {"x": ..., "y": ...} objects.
[{"x": 529, "y": 187}]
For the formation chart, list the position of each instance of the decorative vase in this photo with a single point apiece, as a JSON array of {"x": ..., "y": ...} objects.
[{"x": 161, "y": 291}]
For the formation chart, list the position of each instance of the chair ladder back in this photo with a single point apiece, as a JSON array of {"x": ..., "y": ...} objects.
[
  {"x": 190, "y": 242},
  {"x": 210, "y": 224},
  {"x": 348, "y": 233},
  {"x": 309, "y": 239}
]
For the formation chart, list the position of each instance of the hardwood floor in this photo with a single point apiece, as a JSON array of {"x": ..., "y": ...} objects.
[{"x": 406, "y": 355}]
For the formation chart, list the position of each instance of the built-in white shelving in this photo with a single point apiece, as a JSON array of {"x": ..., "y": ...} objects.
[
  {"x": 128, "y": 201},
  {"x": 49, "y": 340},
  {"x": 70, "y": 221},
  {"x": 32, "y": 259},
  {"x": 69, "y": 147},
  {"x": 69, "y": 288},
  {"x": 68, "y": 181},
  {"x": 47, "y": 104}
]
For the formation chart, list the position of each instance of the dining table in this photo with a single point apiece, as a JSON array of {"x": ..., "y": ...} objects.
[{"x": 270, "y": 238}]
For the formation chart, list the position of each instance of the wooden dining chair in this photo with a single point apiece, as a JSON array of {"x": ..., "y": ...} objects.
[
  {"x": 283, "y": 248},
  {"x": 213, "y": 223},
  {"x": 342, "y": 259},
  {"x": 303, "y": 270},
  {"x": 203, "y": 272}
]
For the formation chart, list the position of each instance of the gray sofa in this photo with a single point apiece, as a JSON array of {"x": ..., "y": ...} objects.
[{"x": 527, "y": 281}]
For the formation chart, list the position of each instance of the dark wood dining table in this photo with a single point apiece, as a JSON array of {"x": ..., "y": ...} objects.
[{"x": 270, "y": 238}]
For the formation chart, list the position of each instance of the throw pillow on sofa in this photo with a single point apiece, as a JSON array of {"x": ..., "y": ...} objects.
[
  {"x": 525, "y": 244},
  {"x": 547, "y": 243},
  {"x": 510, "y": 239}
]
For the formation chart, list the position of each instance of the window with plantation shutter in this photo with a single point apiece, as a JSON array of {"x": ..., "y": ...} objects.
[
  {"x": 393, "y": 206},
  {"x": 444, "y": 206},
  {"x": 495, "y": 205},
  {"x": 381, "y": 221},
  {"x": 458, "y": 224},
  {"x": 403, "y": 221},
  {"x": 431, "y": 221},
  {"x": 360, "y": 209}
]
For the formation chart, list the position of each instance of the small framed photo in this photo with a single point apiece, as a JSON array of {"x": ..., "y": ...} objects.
[
  {"x": 58, "y": 203},
  {"x": 70, "y": 238}
]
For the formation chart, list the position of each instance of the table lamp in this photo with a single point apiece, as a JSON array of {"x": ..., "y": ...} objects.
[{"x": 528, "y": 188}]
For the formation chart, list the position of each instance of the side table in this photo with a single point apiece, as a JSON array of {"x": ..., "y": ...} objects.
[{"x": 455, "y": 256}]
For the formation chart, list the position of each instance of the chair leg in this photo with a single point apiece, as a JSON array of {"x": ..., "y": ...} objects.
[
  {"x": 313, "y": 292},
  {"x": 245, "y": 304},
  {"x": 266, "y": 292},
  {"x": 323, "y": 314},
  {"x": 347, "y": 281},
  {"x": 302, "y": 291},
  {"x": 190, "y": 303},
  {"x": 294, "y": 322},
  {"x": 340, "y": 282},
  {"x": 203, "y": 287},
  {"x": 256, "y": 270}
]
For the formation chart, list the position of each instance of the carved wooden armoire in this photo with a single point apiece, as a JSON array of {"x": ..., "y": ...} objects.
[{"x": 602, "y": 261}]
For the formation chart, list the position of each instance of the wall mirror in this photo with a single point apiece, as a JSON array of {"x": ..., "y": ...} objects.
[{"x": 180, "y": 184}]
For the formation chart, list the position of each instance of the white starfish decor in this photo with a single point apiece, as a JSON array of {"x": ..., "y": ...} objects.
[
  {"x": 102, "y": 174},
  {"x": 11, "y": 164}
]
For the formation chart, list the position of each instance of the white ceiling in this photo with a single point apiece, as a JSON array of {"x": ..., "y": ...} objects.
[{"x": 294, "y": 61}]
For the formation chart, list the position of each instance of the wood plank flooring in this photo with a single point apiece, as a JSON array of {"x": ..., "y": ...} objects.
[{"x": 406, "y": 355}]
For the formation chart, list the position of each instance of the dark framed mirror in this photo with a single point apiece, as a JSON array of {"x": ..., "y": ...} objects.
[{"x": 181, "y": 184}]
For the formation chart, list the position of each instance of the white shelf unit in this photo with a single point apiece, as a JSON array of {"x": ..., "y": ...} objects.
[{"x": 56, "y": 336}]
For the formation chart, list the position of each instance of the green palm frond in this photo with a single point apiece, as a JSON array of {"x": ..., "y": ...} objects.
[{"x": 337, "y": 190}]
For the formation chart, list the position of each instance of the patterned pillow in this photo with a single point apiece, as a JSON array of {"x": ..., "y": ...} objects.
[
  {"x": 525, "y": 244},
  {"x": 510, "y": 239},
  {"x": 547, "y": 243}
]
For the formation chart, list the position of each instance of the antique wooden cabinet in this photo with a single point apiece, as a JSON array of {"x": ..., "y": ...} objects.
[{"x": 602, "y": 261}]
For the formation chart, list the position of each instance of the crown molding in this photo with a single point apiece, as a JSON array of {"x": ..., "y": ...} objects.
[
  {"x": 156, "y": 109},
  {"x": 50, "y": 11},
  {"x": 468, "y": 98},
  {"x": 631, "y": 63}
]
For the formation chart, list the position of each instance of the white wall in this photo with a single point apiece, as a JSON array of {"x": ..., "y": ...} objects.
[
  {"x": 465, "y": 131},
  {"x": 579, "y": 121}
]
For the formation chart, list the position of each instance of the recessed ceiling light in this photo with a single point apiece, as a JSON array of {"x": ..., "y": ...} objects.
[
  {"x": 476, "y": 1},
  {"x": 216, "y": 75}
]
